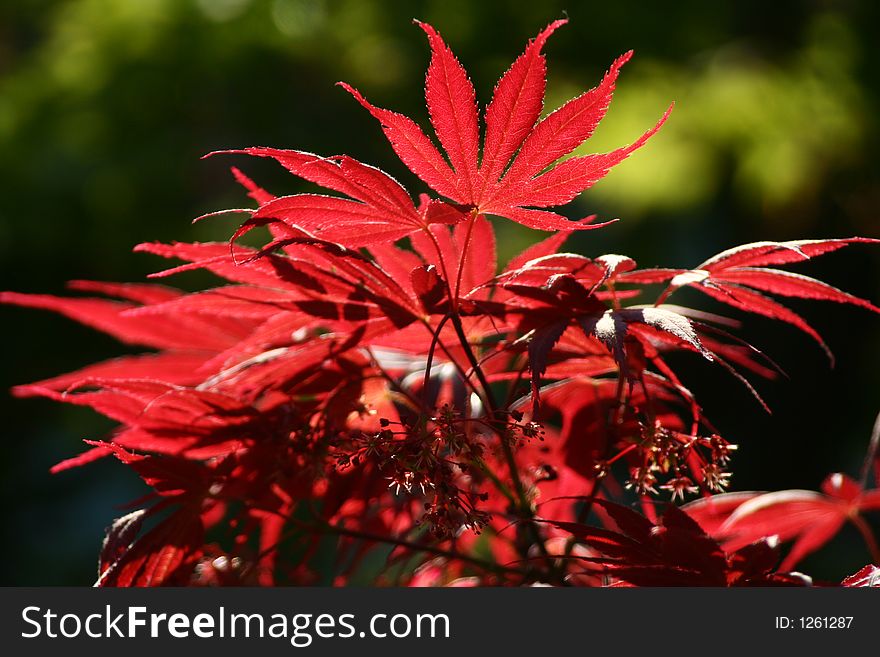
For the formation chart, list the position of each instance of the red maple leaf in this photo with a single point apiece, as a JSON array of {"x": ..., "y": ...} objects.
[
  {"x": 740, "y": 277},
  {"x": 808, "y": 518},
  {"x": 509, "y": 177},
  {"x": 166, "y": 553}
]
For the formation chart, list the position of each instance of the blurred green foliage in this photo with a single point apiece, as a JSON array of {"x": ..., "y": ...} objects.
[{"x": 106, "y": 107}]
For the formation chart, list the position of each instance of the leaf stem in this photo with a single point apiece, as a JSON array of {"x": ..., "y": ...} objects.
[
  {"x": 524, "y": 509},
  {"x": 464, "y": 249},
  {"x": 453, "y": 299},
  {"x": 430, "y": 359}
]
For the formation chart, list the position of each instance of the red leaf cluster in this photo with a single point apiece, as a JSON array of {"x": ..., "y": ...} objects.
[{"x": 371, "y": 383}]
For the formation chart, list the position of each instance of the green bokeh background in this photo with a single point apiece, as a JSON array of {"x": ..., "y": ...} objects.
[{"x": 107, "y": 105}]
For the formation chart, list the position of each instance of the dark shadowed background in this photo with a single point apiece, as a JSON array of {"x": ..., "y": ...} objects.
[{"x": 107, "y": 105}]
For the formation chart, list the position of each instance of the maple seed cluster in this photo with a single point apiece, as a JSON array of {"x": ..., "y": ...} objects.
[
  {"x": 676, "y": 455},
  {"x": 430, "y": 460},
  {"x": 371, "y": 381}
]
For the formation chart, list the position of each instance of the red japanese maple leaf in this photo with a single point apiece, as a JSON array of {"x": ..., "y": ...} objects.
[
  {"x": 809, "y": 518},
  {"x": 740, "y": 277},
  {"x": 509, "y": 176},
  {"x": 167, "y": 552}
]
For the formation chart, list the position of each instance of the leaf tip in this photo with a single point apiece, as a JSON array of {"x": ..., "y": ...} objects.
[
  {"x": 354, "y": 92},
  {"x": 623, "y": 59},
  {"x": 541, "y": 39},
  {"x": 427, "y": 28}
]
